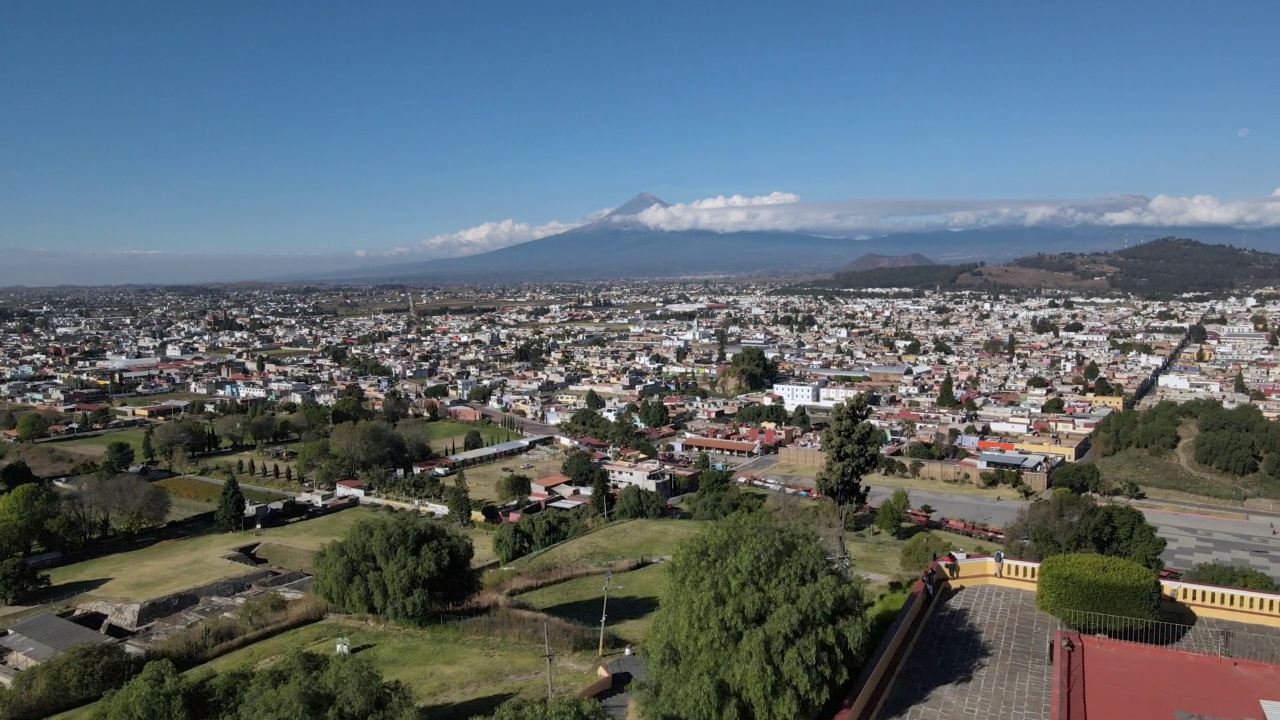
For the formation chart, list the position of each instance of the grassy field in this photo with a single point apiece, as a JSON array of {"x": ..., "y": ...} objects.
[
  {"x": 95, "y": 445},
  {"x": 207, "y": 492},
  {"x": 1157, "y": 474},
  {"x": 482, "y": 480},
  {"x": 619, "y": 541},
  {"x": 182, "y": 508},
  {"x": 171, "y": 565},
  {"x": 444, "y": 433},
  {"x": 44, "y": 459},
  {"x": 451, "y": 674},
  {"x": 633, "y": 600},
  {"x": 893, "y": 481}
]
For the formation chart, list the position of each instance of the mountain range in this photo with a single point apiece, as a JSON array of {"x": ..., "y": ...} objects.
[
  {"x": 872, "y": 261},
  {"x": 1159, "y": 268},
  {"x": 619, "y": 245}
]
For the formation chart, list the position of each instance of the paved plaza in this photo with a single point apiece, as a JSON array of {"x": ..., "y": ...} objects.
[
  {"x": 1254, "y": 548},
  {"x": 982, "y": 654}
]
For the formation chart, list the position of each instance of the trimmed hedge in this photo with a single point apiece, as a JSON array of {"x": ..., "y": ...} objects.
[{"x": 1088, "y": 583}]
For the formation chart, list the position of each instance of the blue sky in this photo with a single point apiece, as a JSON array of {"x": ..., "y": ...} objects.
[{"x": 313, "y": 127}]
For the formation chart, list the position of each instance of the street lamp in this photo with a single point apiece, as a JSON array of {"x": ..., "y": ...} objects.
[{"x": 604, "y": 607}]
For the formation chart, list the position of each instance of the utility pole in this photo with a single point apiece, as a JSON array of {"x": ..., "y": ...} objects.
[
  {"x": 546, "y": 653},
  {"x": 604, "y": 608}
]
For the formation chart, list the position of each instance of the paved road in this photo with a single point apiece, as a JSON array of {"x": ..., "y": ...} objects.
[
  {"x": 243, "y": 486},
  {"x": 1192, "y": 538}
]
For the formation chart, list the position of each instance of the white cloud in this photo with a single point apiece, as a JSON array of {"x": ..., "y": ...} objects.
[
  {"x": 482, "y": 238},
  {"x": 786, "y": 212}
]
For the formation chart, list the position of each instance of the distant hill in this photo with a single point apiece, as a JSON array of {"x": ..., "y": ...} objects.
[
  {"x": 872, "y": 261},
  {"x": 1166, "y": 266},
  {"x": 903, "y": 276}
]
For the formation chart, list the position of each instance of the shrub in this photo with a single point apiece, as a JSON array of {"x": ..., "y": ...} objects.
[
  {"x": 921, "y": 549},
  {"x": 1227, "y": 575},
  {"x": 1086, "y": 583}
]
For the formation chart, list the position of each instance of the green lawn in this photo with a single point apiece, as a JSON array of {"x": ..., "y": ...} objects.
[
  {"x": 442, "y": 432},
  {"x": 450, "y": 673},
  {"x": 95, "y": 445},
  {"x": 452, "y": 676},
  {"x": 175, "y": 564},
  {"x": 618, "y": 541},
  {"x": 633, "y": 600}
]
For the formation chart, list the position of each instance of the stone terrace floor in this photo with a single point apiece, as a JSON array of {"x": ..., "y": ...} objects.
[{"x": 982, "y": 654}]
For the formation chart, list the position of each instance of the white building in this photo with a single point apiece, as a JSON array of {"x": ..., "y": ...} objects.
[
  {"x": 795, "y": 394},
  {"x": 647, "y": 475}
]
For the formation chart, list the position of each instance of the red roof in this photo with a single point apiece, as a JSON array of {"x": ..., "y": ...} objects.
[
  {"x": 716, "y": 444},
  {"x": 351, "y": 483},
  {"x": 1129, "y": 680}
]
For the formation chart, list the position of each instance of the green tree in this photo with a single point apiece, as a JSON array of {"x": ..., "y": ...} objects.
[
  {"x": 229, "y": 515},
  {"x": 233, "y": 428},
  {"x": 117, "y": 458},
  {"x": 732, "y": 642},
  {"x": 27, "y": 513},
  {"x": 472, "y": 441},
  {"x": 8, "y": 421},
  {"x": 480, "y": 394},
  {"x": 401, "y": 567},
  {"x": 18, "y": 577},
  {"x": 32, "y": 427},
  {"x": 459, "y": 502},
  {"x": 593, "y": 401},
  {"x": 310, "y": 686},
  {"x": 14, "y": 474},
  {"x": 636, "y": 502},
  {"x": 893, "y": 512},
  {"x": 1077, "y": 477},
  {"x": 1091, "y": 371},
  {"x": 947, "y": 393},
  {"x": 511, "y": 540},
  {"x": 800, "y": 418},
  {"x": 600, "y": 493},
  {"x": 73, "y": 678},
  {"x": 1238, "y": 384},
  {"x": 558, "y": 709},
  {"x": 922, "y": 549},
  {"x": 515, "y": 486},
  {"x": 753, "y": 370},
  {"x": 1102, "y": 387},
  {"x": 148, "y": 444},
  {"x": 1053, "y": 405},
  {"x": 157, "y": 693},
  {"x": 1228, "y": 575},
  {"x": 1070, "y": 523},
  {"x": 852, "y": 447}
]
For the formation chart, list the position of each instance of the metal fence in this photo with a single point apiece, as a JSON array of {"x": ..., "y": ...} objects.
[{"x": 1206, "y": 636}]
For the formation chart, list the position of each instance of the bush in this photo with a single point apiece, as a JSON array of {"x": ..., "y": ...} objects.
[
  {"x": 921, "y": 549},
  {"x": 1086, "y": 583},
  {"x": 1227, "y": 575}
]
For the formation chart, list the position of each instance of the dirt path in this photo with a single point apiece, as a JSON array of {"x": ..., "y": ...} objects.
[{"x": 1187, "y": 433}]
